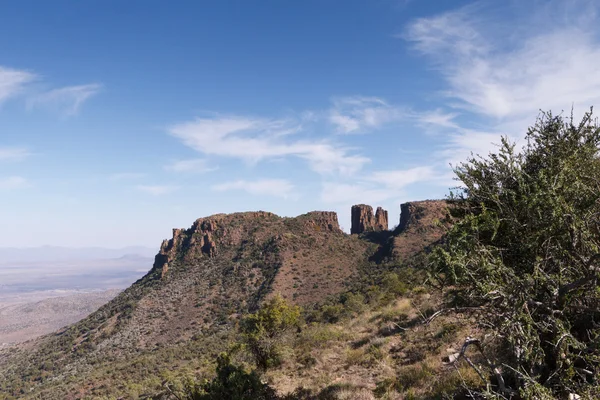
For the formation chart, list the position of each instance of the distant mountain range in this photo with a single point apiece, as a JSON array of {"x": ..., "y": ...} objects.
[{"x": 55, "y": 253}]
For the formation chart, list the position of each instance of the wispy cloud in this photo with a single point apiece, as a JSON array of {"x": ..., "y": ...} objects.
[
  {"x": 13, "y": 153},
  {"x": 67, "y": 100},
  {"x": 499, "y": 72},
  {"x": 13, "y": 182},
  {"x": 436, "y": 118},
  {"x": 465, "y": 142},
  {"x": 256, "y": 139},
  {"x": 156, "y": 190},
  {"x": 377, "y": 186},
  {"x": 506, "y": 71},
  {"x": 398, "y": 179},
  {"x": 122, "y": 176},
  {"x": 264, "y": 187},
  {"x": 353, "y": 193},
  {"x": 197, "y": 165},
  {"x": 13, "y": 81},
  {"x": 361, "y": 114}
]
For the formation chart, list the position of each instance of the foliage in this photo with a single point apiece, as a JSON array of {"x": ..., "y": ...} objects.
[
  {"x": 263, "y": 331},
  {"x": 232, "y": 382},
  {"x": 526, "y": 252}
]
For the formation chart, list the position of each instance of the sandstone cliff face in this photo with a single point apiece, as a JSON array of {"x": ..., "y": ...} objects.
[
  {"x": 422, "y": 223},
  {"x": 323, "y": 220},
  {"x": 363, "y": 219},
  {"x": 208, "y": 235},
  {"x": 200, "y": 239},
  {"x": 381, "y": 219}
]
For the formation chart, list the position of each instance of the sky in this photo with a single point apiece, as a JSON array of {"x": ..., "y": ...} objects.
[{"x": 122, "y": 120}]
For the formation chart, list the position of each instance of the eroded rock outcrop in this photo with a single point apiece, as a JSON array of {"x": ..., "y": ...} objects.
[
  {"x": 363, "y": 219},
  {"x": 381, "y": 219},
  {"x": 207, "y": 237},
  {"x": 422, "y": 224},
  {"x": 323, "y": 220}
]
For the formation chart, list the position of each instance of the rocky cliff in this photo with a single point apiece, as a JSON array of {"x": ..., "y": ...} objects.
[
  {"x": 422, "y": 224},
  {"x": 363, "y": 219},
  {"x": 208, "y": 275},
  {"x": 381, "y": 219}
]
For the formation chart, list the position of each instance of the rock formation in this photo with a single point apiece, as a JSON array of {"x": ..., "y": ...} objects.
[
  {"x": 381, "y": 219},
  {"x": 323, "y": 220},
  {"x": 363, "y": 219},
  {"x": 411, "y": 213},
  {"x": 422, "y": 224},
  {"x": 207, "y": 236}
]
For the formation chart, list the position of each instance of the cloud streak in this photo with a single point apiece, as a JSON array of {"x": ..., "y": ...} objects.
[
  {"x": 359, "y": 114},
  {"x": 13, "y": 82},
  {"x": 13, "y": 153},
  {"x": 262, "y": 187},
  {"x": 507, "y": 72},
  {"x": 156, "y": 190},
  {"x": 499, "y": 74},
  {"x": 13, "y": 182},
  {"x": 67, "y": 100},
  {"x": 197, "y": 165},
  {"x": 257, "y": 139}
]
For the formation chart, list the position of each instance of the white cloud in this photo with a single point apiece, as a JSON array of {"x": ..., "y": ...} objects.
[
  {"x": 462, "y": 144},
  {"x": 13, "y": 153},
  {"x": 398, "y": 179},
  {"x": 501, "y": 71},
  {"x": 256, "y": 139},
  {"x": 13, "y": 81},
  {"x": 512, "y": 71},
  {"x": 437, "y": 118},
  {"x": 156, "y": 190},
  {"x": 265, "y": 187},
  {"x": 67, "y": 100},
  {"x": 13, "y": 182},
  {"x": 348, "y": 194},
  {"x": 361, "y": 114},
  {"x": 198, "y": 165},
  {"x": 377, "y": 186}
]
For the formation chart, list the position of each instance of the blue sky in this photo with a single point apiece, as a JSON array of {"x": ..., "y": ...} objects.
[{"x": 121, "y": 120}]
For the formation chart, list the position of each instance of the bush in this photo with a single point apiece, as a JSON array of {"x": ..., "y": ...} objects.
[
  {"x": 263, "y": 331},
  {"x": 353, "y": 302},
  {"x": 526, "y": 252},
  {"x": 232, "y": 383},
  {"x": 392, "y": 284}
]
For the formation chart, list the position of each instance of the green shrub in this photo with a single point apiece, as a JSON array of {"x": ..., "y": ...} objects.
[
  {"x": 526, "y": 252},
  {"x": 353, "y": 302},
  {"x": 232, "y": 383},
  {"x": 263, "y": 331}
]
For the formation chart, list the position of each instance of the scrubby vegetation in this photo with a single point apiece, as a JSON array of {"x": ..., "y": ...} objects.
[{"x": 525, "y": 253}]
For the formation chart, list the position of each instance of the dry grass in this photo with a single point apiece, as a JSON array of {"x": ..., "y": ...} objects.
[{"x": 357, "y": 359}]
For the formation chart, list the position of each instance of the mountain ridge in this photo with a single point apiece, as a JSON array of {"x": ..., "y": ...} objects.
[{"x": 203, "y": 279}]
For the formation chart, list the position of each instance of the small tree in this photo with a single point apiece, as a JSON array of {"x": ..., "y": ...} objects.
[
  {"x": 263, "y": 331},
  {"x": 233, "y": 383},
  {"x": 526, "y": 252}
]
